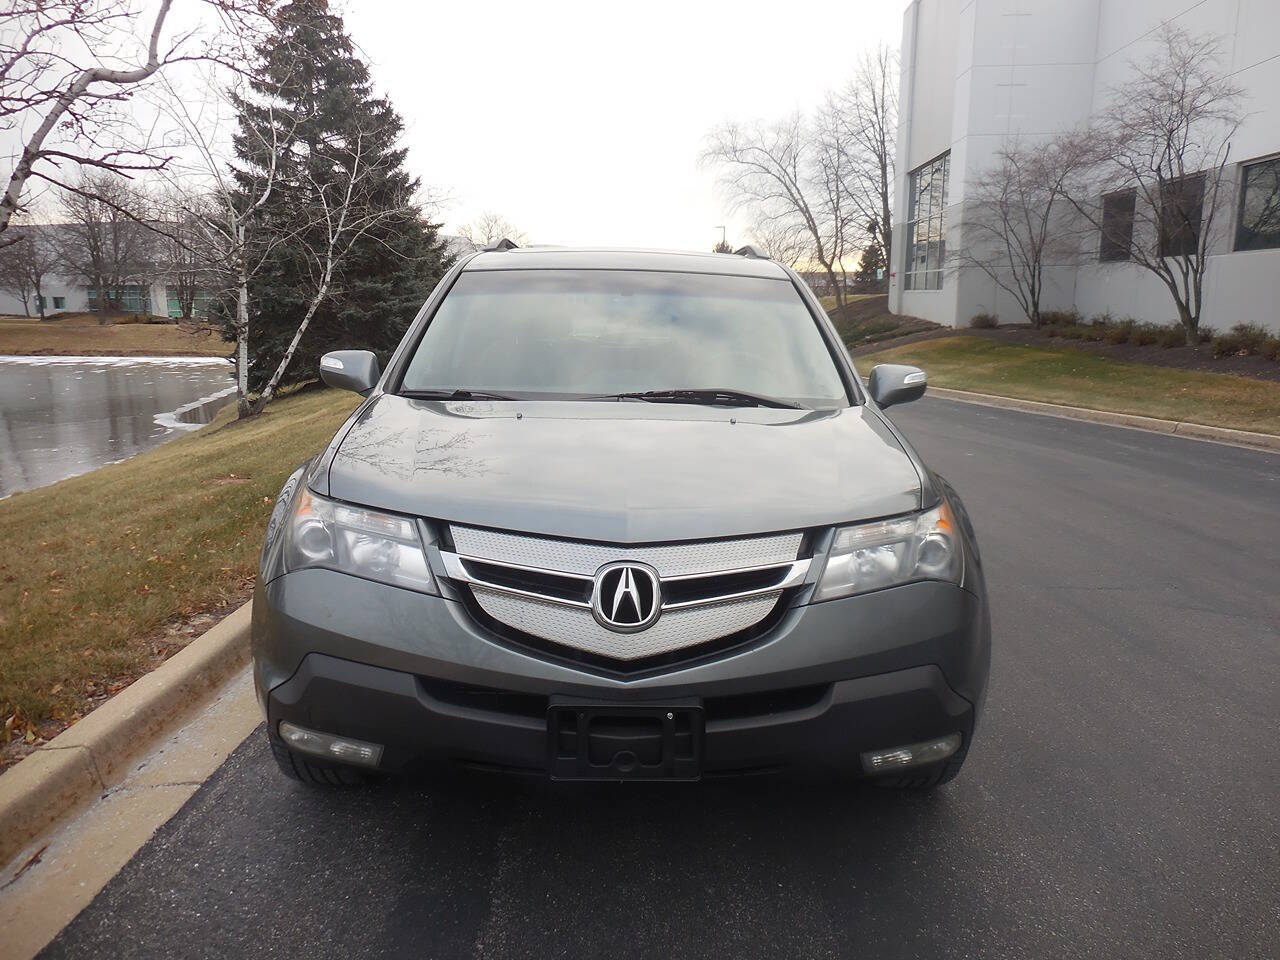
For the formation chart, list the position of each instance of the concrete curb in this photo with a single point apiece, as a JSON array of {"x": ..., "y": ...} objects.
[
  {"x": 91, "y": 756},
  {"x": 1181, "y": 428}
]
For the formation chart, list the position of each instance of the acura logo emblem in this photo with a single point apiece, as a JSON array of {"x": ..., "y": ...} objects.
[{"x": 627, "y": 596}]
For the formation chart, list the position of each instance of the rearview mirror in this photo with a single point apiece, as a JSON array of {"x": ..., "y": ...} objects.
[
  {"x": 893, "y": 383},
  {"x": 350, "y": 370}
]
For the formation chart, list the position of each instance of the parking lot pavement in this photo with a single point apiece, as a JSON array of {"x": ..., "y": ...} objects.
[{"x": 1120, "y": 800}]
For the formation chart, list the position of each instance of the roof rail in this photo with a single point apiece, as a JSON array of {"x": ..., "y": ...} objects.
[
  {"x": 499, "y": 245},
  {"x": 747, "y": 250}
]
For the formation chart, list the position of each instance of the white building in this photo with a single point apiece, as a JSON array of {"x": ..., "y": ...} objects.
[
  {"x": 976, "y": 73},
  {"x": 70, "y": 294}
]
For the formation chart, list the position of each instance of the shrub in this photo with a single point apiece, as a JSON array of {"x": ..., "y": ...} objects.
[
  {"x": 1145, "y": 335},
  {"x": 1206, "y": 334},
  {"x": 1226, "y": 345},
  {"x": 1252, "y": 337},
  {"x": 1271, "y": 349},
  {"x": 1121, "y": 332},
  {"x": 984, "y": 321},
  {"x": 1059, "y": 318},
  {"x": 1245, "y": 339},
  {"x": 1095, "y": 331},
  {"x": 1171, "y": 337},
  {"x": 1072, "y": 332}
]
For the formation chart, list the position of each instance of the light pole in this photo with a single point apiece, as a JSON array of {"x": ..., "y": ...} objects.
[{"x": 722, "y": 240}]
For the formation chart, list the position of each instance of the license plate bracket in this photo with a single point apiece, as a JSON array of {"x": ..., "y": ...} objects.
[{"x": 590, "y": 740}]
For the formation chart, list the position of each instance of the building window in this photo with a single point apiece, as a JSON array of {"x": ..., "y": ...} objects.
[
  {"x": 201, "y": 305},
  {"x": 1181, "y": 202},
  {"x": 926, "y": 224},
  {"x": 1117, "y": 225},
  {"x": 1259, "y": 226},
  {"x": 59, "y": 303},
  {"x": 132, "y": 298}
]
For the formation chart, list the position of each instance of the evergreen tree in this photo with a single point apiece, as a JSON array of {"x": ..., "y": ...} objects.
[
  {"x": 872, "y": 261},
  {"x": 312, "y": 97}
]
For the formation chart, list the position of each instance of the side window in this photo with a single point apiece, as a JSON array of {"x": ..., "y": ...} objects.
[
  {"x": 1117, "y": 226},
  {"x": 1181, "y": 203},
  {"x": 1259, "y": 225}
]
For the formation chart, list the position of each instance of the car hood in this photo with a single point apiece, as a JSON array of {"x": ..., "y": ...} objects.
[{"x": 625, "y": 472}]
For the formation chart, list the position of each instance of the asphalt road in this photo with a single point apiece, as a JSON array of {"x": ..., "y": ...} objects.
[{"x": 1120, "y": 801}]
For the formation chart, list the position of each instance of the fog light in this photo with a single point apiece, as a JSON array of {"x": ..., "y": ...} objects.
[
  {"x": 912, "y": 755},
  {"x": 331, "y": 747}
]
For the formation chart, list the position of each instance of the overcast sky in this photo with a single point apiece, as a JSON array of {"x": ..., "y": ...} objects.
[{"x": 582, "y": 122}]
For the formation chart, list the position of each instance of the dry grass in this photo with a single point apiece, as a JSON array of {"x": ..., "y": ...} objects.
[
  {"x": 81, "y": 335},
  {"x": 829, "y": 302},
  {"x": 866, "y": 320},
  {"x": 96, "y": 566},
  {"x": 1081, "y": 379}
]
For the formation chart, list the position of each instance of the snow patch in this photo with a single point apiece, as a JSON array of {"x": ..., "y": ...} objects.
[{"x": 171, "y": 420}]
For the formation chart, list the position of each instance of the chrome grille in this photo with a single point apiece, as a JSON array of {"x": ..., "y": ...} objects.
[
  {"x": 670, "y": 559},
  {"x": 543, "y": 587},
  {"x": 575, "y": 627}
]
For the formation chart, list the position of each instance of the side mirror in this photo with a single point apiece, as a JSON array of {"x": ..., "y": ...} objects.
[
  {"x": 893, "y": 383},
  {"x": 350, "y": 370}
]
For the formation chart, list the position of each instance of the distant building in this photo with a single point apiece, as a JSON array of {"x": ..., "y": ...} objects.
[
  {"x": 151, "y": 292},
  {"x": 978, "y": 72}
]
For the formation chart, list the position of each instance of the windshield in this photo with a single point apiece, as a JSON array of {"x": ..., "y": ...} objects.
[{"x": 558, "y": 333}]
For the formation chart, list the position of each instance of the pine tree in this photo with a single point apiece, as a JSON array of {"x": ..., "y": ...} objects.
[
  {"x": 870, "y": 266},
  {"x": 317, "y": 95}
]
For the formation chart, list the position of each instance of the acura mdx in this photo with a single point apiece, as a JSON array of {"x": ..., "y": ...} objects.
[{"x": 620, "y": 515}]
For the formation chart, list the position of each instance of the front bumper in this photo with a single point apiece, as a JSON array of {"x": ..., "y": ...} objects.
[{"x": 415, "y": 673}]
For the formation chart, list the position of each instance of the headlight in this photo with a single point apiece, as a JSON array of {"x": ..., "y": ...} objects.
[
  {"x": 871, "y": 556},
  {"x": 356, "y": 540}
]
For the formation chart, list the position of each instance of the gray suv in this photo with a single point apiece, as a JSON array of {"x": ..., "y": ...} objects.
[{"x": 620, "y": 515}]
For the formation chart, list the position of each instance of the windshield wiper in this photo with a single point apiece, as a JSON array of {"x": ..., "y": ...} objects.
[
  {"x": 712, "y": 396},
  {"x": 459, "y": 394}
]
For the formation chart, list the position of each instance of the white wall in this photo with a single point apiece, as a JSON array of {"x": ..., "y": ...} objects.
[
  {"x": 73, "y": 290},
  {"x": 978, "y": 72}
]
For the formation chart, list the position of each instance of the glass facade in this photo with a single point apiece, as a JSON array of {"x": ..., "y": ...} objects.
[
  {"x": 926, "y": 224},
  {"x": 199, "y": 309},
  {"x": 131, "y": 298}
]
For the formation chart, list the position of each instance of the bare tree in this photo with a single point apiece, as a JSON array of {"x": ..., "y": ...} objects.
[
  {"x": 224, "y": 214},
  {"x": 787, "y": 176},
  {"x": 785, "y": 242},
  {"x": 25, "y": 263},
  {"x": 488, "y": 228},
  {"x": 340, "y": 212},
  {"x": 1155, "y": 186},
  {"x": 1018, "y": 221},
  {"x": 109, "y": 237},
  {"x": 865, "y": 111},
  {"x": 67, "y": 65}
]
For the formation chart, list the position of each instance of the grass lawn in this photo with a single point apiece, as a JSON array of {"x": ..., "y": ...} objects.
[
  {"x": 1080, "y": 379},
  {"x": 82, "y": 335},
  {"x": 99, "y": 567}
]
